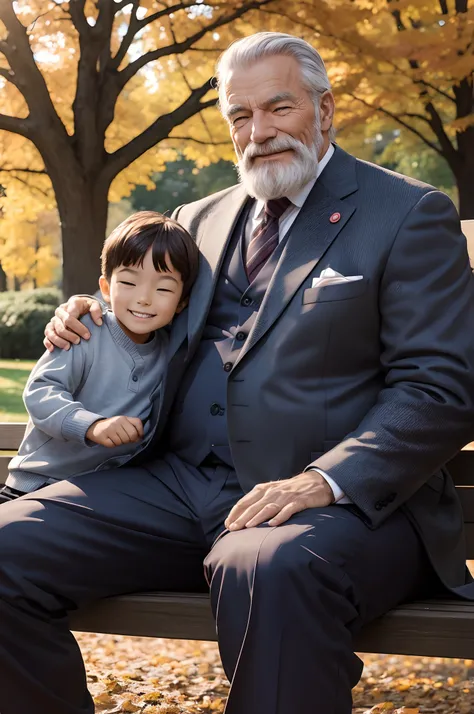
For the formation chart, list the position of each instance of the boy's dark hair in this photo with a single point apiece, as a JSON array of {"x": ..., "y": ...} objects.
[{"x": 131, "y": 240}]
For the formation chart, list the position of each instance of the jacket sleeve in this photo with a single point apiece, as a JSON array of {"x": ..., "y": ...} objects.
[
  {"x": 425, "y": 413},
  {"x": 50, "y": 389}
]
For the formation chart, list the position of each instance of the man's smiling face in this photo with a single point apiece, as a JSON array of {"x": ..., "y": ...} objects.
[
  {"x": 268, "y": 99},
  {"x": 277, "y": 133}
]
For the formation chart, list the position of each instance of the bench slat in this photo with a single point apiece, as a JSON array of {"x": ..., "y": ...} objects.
[
  {"x": 461, "y": 468},
  {"x": 431, "y": 628},
  {"x": 469, "y": 536},
  {"x": 466, "y": 496},
  {"x": 11, "y": 435},
  {"x": 4, "y": 461}
]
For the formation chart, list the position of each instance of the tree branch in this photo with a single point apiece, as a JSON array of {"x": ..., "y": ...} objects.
[
  {"x": 199, "y": 141},
  {"x": 437, "y": 127},
  {"x": 28, "y": 77},
  {"x": 400, "y": 121},
  {"x": 32, "y": 187},
  {"x": 120, "y": 5},
  {"x": 15, "y": 125},
  {"x": 183, "y": 74},
  {"x": 209, "y": 103},
  {"x": 76, "y": 11},
  {"x": 461, "y": 6},
  {"x": 160, "y": 129},
  {"x": 414, "y": 115},
  {"x": 24, "y": 170},
  {"x": 9, "y": 75},
  {"x": 132, "y": 30},
  {"x": 31, "y": 26},
  {"x": 180, "y": 47},
  {"x": 4, "y": 49},
  {"x": 135, "y": 26}
]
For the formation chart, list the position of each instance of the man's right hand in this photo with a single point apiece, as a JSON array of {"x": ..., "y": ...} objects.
[
  {"x": 65, "y": 327},
  {"x": 115, "y": 431}
]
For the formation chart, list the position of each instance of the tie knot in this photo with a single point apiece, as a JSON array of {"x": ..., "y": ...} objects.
[{"x": 277, "y": 207}]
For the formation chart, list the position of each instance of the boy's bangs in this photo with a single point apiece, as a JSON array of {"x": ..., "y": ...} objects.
[{"x": 134, "y": 248}]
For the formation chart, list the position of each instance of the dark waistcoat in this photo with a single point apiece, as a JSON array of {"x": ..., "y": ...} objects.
[{"x": 198, "y": 422}]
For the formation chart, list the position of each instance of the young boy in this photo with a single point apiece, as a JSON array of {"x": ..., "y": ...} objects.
[{"x": 98, "y": 395}]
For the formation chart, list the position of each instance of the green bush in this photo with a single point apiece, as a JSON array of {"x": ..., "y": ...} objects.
[{"x": 23, "y": 316}]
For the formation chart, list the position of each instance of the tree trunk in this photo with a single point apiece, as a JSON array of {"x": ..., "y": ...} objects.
[
  {"x": 83, "y": 214},
  {"x": 3, "y": 280},
  {"x": 465, "y": 186},
  {"x": 464, "y": 173}
]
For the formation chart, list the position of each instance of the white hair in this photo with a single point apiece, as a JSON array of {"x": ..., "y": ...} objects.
[{"x": 247, "y": 50}]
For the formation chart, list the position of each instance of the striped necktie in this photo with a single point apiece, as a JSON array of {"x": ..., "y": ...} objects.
[{"x": 264, "y": 239}]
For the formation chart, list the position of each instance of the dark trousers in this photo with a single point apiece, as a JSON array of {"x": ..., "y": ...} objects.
[{"x": 287, "y": 600}]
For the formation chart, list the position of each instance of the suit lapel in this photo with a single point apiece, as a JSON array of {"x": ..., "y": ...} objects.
[
  {"x": 310, "y": 237},
  {"x": 178, "y": 333},
  {"x": 213, "y": 236}
]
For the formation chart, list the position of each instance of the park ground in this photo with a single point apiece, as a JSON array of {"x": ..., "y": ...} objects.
[
  {"x": 157, "y": 676},
  {"x": 13, "y": 375}
]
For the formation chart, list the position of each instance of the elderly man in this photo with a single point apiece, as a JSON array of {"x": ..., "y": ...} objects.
[{"x": 318, "y": 383}]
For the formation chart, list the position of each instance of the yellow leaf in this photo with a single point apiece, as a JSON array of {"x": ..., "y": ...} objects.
[{"x": 104, "y": 701}]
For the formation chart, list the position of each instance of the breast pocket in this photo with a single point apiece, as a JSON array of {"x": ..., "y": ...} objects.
[{"x": 340, "y": 291}]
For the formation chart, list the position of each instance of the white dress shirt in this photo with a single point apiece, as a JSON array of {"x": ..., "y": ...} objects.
[
  {"x": 284, "y": 224},
  {"x": 297, "y": 200}
]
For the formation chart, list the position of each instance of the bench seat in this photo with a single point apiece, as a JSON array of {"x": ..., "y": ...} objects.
[{"x": 434, "y": 628}]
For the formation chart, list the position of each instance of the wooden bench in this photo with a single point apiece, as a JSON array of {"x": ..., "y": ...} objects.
[{"x": 442, "y": 628}]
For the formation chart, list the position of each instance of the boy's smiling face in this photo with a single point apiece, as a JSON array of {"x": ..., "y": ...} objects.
[{"x": 142, "y": 298}]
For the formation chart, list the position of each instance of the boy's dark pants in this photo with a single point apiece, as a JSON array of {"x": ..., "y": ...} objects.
[
  {"x": 9, "y": 494},
  {"x": 286, "y": 599}
]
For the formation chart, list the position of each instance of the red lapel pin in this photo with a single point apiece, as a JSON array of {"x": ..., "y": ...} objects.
[{"x": 335, "y": 217}]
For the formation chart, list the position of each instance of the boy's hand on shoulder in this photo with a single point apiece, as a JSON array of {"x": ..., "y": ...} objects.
[{"x": 115, "y": 431}]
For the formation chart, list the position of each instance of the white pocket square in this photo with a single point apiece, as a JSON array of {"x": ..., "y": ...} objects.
[{"x": 331, "y": 277}]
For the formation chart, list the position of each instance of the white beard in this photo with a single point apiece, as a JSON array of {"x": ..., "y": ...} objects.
[{"x": 275, "y": 179}]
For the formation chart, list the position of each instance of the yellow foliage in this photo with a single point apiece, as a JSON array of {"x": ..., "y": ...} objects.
[
  {"x": 30, "y": 246},
  {"x": 381, "y": 71}
]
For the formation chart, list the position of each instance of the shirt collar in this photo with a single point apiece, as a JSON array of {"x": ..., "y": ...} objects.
[{"x": 298, "y": 199}]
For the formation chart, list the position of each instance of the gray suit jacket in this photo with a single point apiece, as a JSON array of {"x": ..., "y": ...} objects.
[{"x": 371, "y": 381}]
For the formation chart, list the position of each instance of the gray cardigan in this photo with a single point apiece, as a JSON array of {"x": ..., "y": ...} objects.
[{"x": 67, "y": 391}]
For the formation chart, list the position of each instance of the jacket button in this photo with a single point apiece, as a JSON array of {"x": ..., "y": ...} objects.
[
  {"x": 246, "y": 301},
  {"x": 391, "y": 497},
  {"x": 240, "y": 336},
  {"x": 378, "y": 506},
  {"x": 215, "y": 409},
  {"x": 228, "y": 366}
]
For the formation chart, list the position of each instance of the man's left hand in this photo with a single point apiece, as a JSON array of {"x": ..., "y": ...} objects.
[{"x": 277, "y": 501}]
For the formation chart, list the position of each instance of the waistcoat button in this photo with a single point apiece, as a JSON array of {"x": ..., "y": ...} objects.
[
  {"x": 135, "y": 378},
  {"x": 240, "y": 336},
  {"x": 215, "y": 409},
  {"x": 246, "y": 301},
  {"x": 228, "y": 366}
]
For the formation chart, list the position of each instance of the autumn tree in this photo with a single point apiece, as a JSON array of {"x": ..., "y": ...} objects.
[
  {"x": 401, "y": 63},
  {"x": 99, "y": 96},
  {"x": 92, "y": 87}
]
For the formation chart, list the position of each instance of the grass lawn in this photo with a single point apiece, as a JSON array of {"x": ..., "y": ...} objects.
[{"x": 13, "y": 376}]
